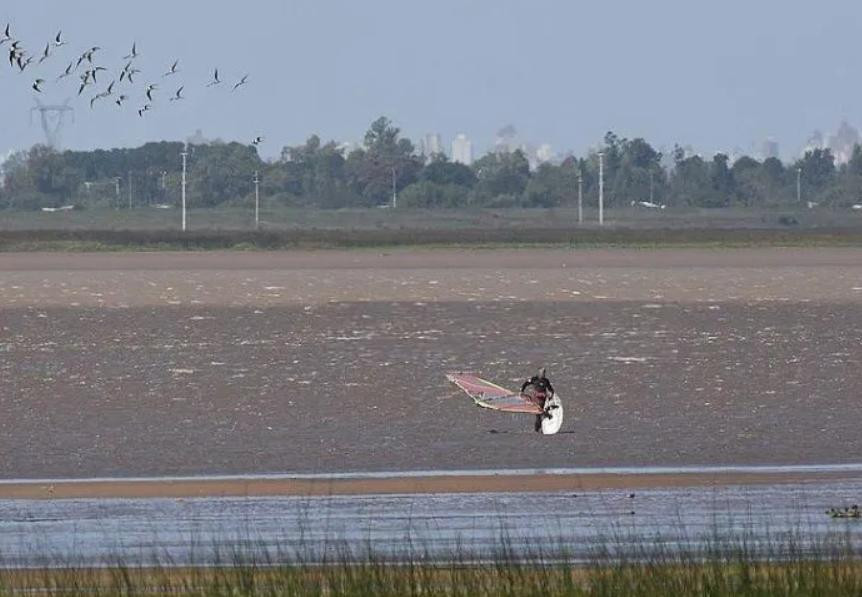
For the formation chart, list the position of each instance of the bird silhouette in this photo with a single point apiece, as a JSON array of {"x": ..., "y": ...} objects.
[
  {"x": 37, "y": 84},
  {"x": 68, "y": 71},
  {"x": 215, "y": 81},
  {"x": 134, "y": 53},
  {"x": 16, "y": 52},
  {"x": 23, "y": 64},
  {"x": 179, "y": 95},
  {"x": 242, "y": 82},
  {"x": 58, "y": 42},
  {"x": 46, "y": 53},
  {"x": 174, "y": 70}
]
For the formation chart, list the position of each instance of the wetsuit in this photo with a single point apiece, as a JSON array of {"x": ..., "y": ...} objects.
[{"x": 540, "y": 385}]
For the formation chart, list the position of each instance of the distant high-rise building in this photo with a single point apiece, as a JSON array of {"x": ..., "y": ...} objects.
[
  {"x": 199, "y": 139},
  {"x": 507, "y": 140},
  {"x": 462, "y": 149},
  {"x": 545, "y": 153},
  {"x": 769, "y": 149},
  {"x": 815, "y": 141},
  {"x": 842, "y": 143},
  {"x": 431, "y": 144},
  {"x": 346, "y": 147}
]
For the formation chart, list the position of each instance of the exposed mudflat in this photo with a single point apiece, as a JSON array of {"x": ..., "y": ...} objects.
[{"x": 165, "y": 364}]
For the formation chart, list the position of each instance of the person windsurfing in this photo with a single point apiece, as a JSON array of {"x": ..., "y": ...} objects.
[{"x": 539, "y": 390}]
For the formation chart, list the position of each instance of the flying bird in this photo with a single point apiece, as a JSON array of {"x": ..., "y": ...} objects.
[
  {"x": 121, "y": 99},
  {"x": 88, "y": 56},
  {"x": 257, "y": 141},
  {"x": 91, "y": 73},
  {"x": 87, "y": 79},
  {"x": 46, "y": 53},
  {"x": 146, "y": 108},
  {"x": 58, "y": 42},
  {"x": 125, "y": 71},
  {"x": 179, "y": 95},
  {"x": 22, "y": 64},
  {"x": 215, "y": 80},
  {"x": 37, "y": 85},
  {"x": 15, "y": 53},
  {"x": 150, "y": 89},
  {"x": 242, "y": 82},
  {"x": 174, "y": 70},
  {"x": 7, "y": 37},
  {"x": 68, "y": 71},
  {"x": 134, "y": 53}
]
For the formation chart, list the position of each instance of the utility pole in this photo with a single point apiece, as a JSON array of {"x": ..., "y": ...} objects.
[
  {"x": 256, "y": 200},
  {"x": 116, "y": 189},
  {"x": 185, "y": 155},
  {"x": 799, "y": 185},
  {"x": 580, "y": 197},
  {"x": 394, "y": 190},
  {"x": 601, "y": 188},
  {"x": 651, "y": 186},
  {"x": 130, "y": 189}
]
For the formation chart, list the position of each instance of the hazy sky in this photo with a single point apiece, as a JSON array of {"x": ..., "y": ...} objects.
[{"x": 716, "y": 75}]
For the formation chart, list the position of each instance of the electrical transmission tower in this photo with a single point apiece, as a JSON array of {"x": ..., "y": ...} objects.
[{"x": 52, "y": 117}]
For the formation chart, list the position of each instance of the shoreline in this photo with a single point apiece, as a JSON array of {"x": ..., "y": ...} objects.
[{"x": 407, "y": 484}]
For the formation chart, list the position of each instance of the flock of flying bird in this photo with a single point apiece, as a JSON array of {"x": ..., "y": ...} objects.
[{"x": 86, "y": 67}]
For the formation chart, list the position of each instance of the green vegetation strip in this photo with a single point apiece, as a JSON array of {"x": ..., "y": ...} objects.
[
  {"x": 120, "y": 240},
  {"x": 741, "y": 577}
]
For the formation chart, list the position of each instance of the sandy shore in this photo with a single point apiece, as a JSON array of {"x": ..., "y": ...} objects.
[{"x": 502, "y": 483}]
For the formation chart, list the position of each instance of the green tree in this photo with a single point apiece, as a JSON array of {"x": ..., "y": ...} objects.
[
  {"x": 385, "y": 157},
  {"x": 429, "y": 194},
  {"x": 746, "y": 173},
  {"x": 552, "y": 186},
  {"x": 818, "y": 172},
  {"x": 441, "y": 171},
  {"x": 220, "y": 173},
  {"x": 314, "y": 174},
  {"x": 690, "y": 182},
  {"x": 502, "y": 178},
  {"x": 721, "y": 182},
  {"x": 848, "y": 189},
  {"x": 639, "y": 175}
]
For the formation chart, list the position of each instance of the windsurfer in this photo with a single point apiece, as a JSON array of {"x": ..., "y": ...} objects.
[{"x": 538, "y": 390}]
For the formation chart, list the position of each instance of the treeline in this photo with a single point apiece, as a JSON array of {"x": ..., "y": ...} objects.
[{"x": 323, "y": 175}]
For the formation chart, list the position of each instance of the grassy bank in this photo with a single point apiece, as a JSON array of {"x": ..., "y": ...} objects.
[
  {"x": 153, "y": 240},
  {"x": 808, "y": 578},
  {"x": 280, "y": 218},
  {"x": 785, "y": 568},
  {"x": 285, "y": 228}
]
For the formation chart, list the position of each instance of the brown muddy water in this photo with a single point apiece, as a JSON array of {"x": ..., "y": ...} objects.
[{"x": 322, "y": 362}]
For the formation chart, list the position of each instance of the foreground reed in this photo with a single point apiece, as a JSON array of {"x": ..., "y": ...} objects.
[{"x": 788, "y": 566}]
